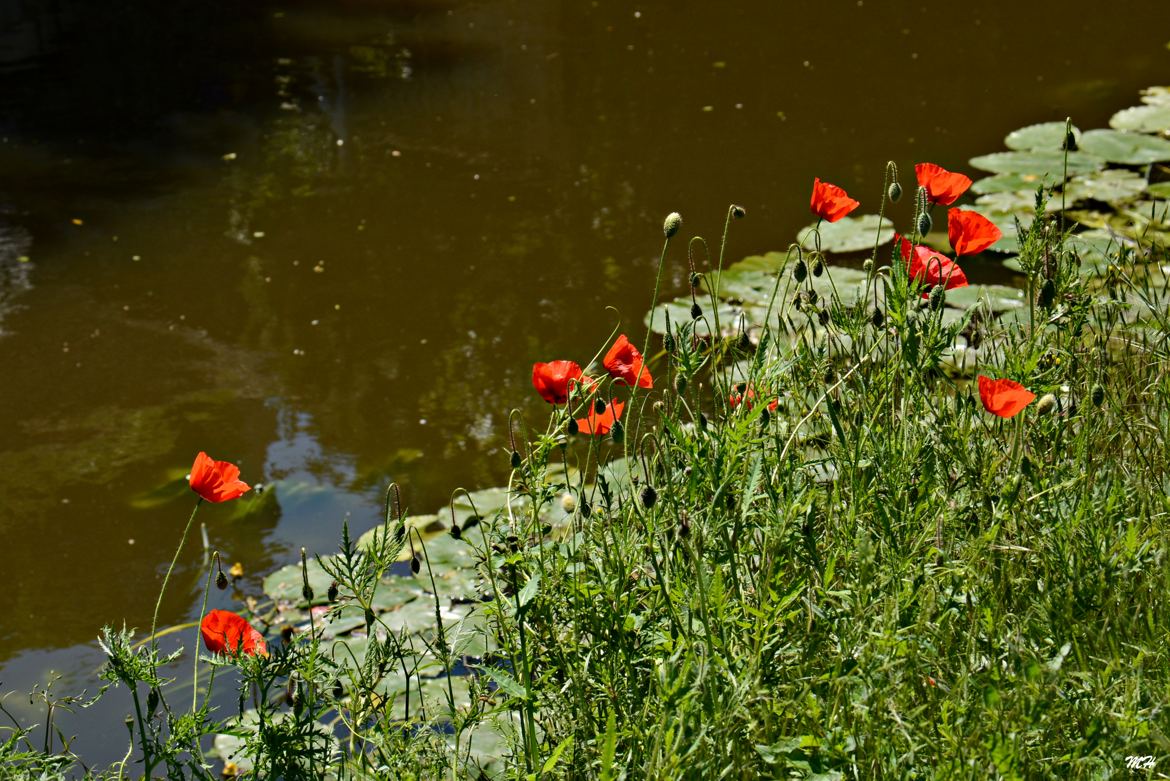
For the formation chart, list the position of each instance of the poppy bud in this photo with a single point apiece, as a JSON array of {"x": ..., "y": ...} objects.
[
  {"x": 151, "y": 701},
  {"x": 1070, "y": 141},
  {"x": 938, "y": 297},
  {"x": 800, "y": 272},
  {"x": 672, "y": 223},
  {"x": 332, "y": 593},
  {"x": 695, "y": 279},
  {"x": 680, "y": 384},
  {"x": 813, "y": 297},
  {"x": 877, "y": 318},
  {"x": 895, "y": 192},
  {"x": 924, "y": 223},
  {"x": 618, "y": 432},
  {"x": 738, "y": 212},
  {"x": 456, "y": 532},
  {"x": 573, "y": 427},
  {"x": 338, "y": 690},
  {"x": 306, "y": 589},
  {"x": 1098, "y": 395},
  {"x": 307, "y": 593},
  {"x": 818, "y": 267},
  {"x": 286, "y": 633},
  {"x": 649, "y": 496},
  {"x": 415, "y": 564},
  {"x": 516, "y": 459},
  {"x": 1047, "y": 294},
  {"x": 823, "y": 317},
  {"x": 599, "y": 406},
  {"x": 221, "y": 581},
  {"x": 798, "y": 302},
  {"x": 696, "y": 311},
  {"x": 668, "y": 341},
  {"x": 1047, "y": 404}
]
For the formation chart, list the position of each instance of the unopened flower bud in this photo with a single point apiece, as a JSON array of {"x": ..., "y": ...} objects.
[
  {"x": 738, "y": 212},
  {"x": 152, "y": 701},
  {"x": 1070, "y": 141},
  {"x": 456, "y": 532},
  {"x": 680, "y": 384},
  {"x": 696, "y": 311},
  {"x": 1098, "y": 395},
  {"x": 818, "y": 267},
  {"x": 415, "y": 564},
  {"x": 1047, "y": 295},
  {"x": 813, "y": 297},
  {"x": 573, "y": 427},
  {"x": 877, "y": 318},
  {"x": 286, "y": 633},
  {"x": 938, "y": 297},
  {"x": 1047, "y": 404},
  {"x": 695, "y": 279},
  {"x": 599, "y": 406},
  {"x": 801, "y": 271},
  {"x": 221, "y": 581},
  {"x": 618, "y": 432},
  {"x": 895, "y": 192},
  {"x": 672, "y": 223},
  {"x": 668, "y": 342},
  {"x": 924, "y": 223},
  {"x": 332, "y": 593},
  {"x": 649, "y": 496},
  {"x": 516, "y": 461}
]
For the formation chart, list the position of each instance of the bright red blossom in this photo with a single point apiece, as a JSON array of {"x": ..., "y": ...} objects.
[
  {"x": 1003, "y": 397},
  {"x": 555, "y": 379},
  {"x": 225, "y": 632},
  {"x": 970, "y": 232},
  {"x": 216, "y": 481},
  {"x": 830, "y": 202},
  {"x": 603, "y": 423},
  {"x": 748, "y": 398},
  {"x": 624, "y": 362},
  {"x": 942, "y": 186},
  {"x": 929, "y": 267}
]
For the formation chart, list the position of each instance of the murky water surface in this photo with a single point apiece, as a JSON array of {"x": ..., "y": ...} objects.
[{"x": 327, "y": 240}]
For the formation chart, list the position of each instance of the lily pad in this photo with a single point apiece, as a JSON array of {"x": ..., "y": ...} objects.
[
  {"x": 1156, "y": 96},
  {"x": 1047, "y": 136},
  {"x": 1095, "y": 248},
  {"x": 1143, "y": 119},
  {"x": 998, "y": 298},
  {"x": 287, "y": 583},
  {"x": 1007, "y": 183},
  {"x": 1021, "y": 203},
  {"x": 1119, "y": 146},
  {"x": 849, "y": 234},
  {"x": 1159, "y": 190},
  {"x": 1113, "y": 186},
  {"x": 1039, "y": 164},
  {"x": 680, "y": 312}
]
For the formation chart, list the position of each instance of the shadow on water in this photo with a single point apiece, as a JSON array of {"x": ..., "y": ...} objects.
[{"x": 327, "y": 241}]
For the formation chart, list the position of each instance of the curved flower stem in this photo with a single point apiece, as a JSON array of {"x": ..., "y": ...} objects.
[
  {"x": 163, "y": 590},
  {"x": 199, "y": 632}
]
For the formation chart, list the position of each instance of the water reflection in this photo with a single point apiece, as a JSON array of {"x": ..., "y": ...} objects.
[{"x": 327, "y": 241}]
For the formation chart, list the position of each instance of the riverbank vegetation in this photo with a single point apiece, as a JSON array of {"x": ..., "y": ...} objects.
[{"x": 842, "y": 515}]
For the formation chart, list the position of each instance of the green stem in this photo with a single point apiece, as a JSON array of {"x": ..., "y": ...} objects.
[{"x": 178, "y": 550}]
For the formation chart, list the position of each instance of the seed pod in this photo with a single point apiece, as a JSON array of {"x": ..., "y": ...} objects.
[
  {"x": 516, "y": 461},
  {"x": 800, "y": 271},
  {"x": 649, "y": 496},
  {"x": 895, "y": 192},
  {"x": 924, "y": 223},
  {"x": 671, "y": 224}
]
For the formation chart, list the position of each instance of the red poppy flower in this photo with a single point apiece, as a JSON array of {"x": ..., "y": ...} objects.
[
  {"x": 1003, "y": 397},
  {"x": 216, "y": 481},
  {"x": 942, "y": 186},
  {"x": 603, "y": 423},
  {"x": 747, "y": 399},
  {"x": 970, "y": 232},
  {"x": 830, "y": 202},
  {"x": 225, "y": 632},
  {"x": 554, "y": 380},
  {"x": 929, "y": 267},
  {"x": 624, "y": 362}
]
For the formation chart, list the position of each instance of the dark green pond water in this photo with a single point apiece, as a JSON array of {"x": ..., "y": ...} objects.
[{"x": 327, "y": 240}]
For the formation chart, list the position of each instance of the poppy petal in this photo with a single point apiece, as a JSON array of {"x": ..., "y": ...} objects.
[{"x": 1003, "y": 397}]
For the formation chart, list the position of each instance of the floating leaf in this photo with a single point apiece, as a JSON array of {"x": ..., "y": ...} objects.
[
  {"x": 1156, "y": 96},
  {"x": 1119, "y": 146},
  {"x": 1095, "y": 248},
  {"x": 1143, "y": 119},
  {"x": 849, "y": 234},
  {"x": 1007, "y": 183},
  {"x": 1115, "y": 185},
  {"x": 1021, "y": 203},
  {"x": 1159, "y": 190},
  {"x": 998, "y": 298},
  {"x": 1047, "y": 136},
  {"x": 1039, "y": 164},
  {"x": 286, "y": 584}
]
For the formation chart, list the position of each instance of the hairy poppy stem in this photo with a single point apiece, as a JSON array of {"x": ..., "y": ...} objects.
[{"x": 170, "y": 569}]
